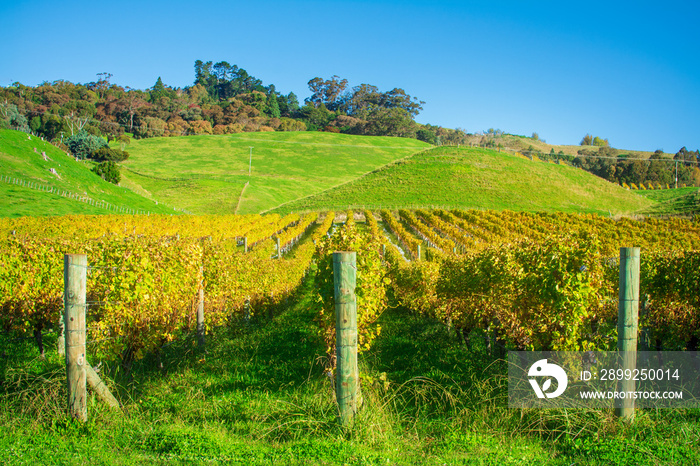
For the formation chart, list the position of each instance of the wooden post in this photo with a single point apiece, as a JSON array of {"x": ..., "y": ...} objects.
[
  {"x": 627, "y": 319},
  {"x": 74, "y": 279},
  {"x": 347, "y": 380},
  {"x": 245, "y": 244},
  {"x": 279, "y": 249},
  {"x": 418, "y": 258},
  {"x": 200, "y": 310},
  {"x": 246, "y": 309}
]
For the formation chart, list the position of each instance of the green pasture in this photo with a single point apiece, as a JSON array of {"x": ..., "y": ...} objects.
[
  {"x": 19, "y": 160},
  {"x": 297, "y": 171},
  {"x": 206, "y": 174},
  {"x": 476, "y": 178}
]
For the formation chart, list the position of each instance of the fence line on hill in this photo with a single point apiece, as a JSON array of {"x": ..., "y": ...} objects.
[{"x": 78, "y": 197}]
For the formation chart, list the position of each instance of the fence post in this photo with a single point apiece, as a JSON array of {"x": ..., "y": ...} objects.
[
  {"x": 245, "y": 244},
  {"x": 74, "y": 279},
  {"x": 344, "y": 279},
  {"x": 200, "y": 309},
  {"x": 627, "y": 320},
  {"x": 246, "y": 309}
]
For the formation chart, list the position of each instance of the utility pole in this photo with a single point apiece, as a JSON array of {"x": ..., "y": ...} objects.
[
  {"x": 250, "y": 164},
  {"x": 676, "y": 174}
]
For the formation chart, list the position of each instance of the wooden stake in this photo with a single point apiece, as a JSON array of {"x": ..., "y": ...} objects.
[
  {"x": 627, "y": 321},
  {"x": 74, "y": 279},
  {"x": 61, "y": 342},
  {"x": 200, "y": 310},
  {"x": 347, "y": 380},
  {"x": 100, "y": 388},
  {"x": 245, "y": 244}
]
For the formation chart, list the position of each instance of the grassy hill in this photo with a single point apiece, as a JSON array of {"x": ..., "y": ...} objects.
[
  {"x": 208, "y": 174},
  {"x": 479, "y": 178},
  {"x": 308, "y": 171},
  {"x": 681, "y": 201},
  {"x": 21, "y": 159}
]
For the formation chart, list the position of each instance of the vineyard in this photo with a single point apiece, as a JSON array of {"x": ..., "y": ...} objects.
[
  {"x": 142, "y": 286},
  {"x": 441, "y": 295},
  {"x": 524, "y": 281}
]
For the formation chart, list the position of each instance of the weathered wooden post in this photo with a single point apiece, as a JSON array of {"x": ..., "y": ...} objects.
[
  {"x": 246, "y": 309},
  {"x": 245, "y": 244},
  {"x": 347, "y": 379},
  {"x": 279, "y": 249},
  {"x": 627, "y": 320},
  {"x": 200, "y": 310},
  {"x": 74, "y": 280}
]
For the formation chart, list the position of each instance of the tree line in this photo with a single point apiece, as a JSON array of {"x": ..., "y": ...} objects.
[
  {"x": 223, "y": 99},
  {"x": 617, "y": 167}
]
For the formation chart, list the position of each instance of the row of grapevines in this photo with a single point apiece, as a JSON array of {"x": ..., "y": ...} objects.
[
  {"x": 371, "y": 283},
  {"x": 426, "y": 232},
  {"x": 457, "y": 235},
  {"x": 293, "y": 234},
  {"x": 373, "y": 226},
  {"x": 407, "y": 241},
  {"x": 93, "y": 226},
  {"x": 480, "y": 237}
]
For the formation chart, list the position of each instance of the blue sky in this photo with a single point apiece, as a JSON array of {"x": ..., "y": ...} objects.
[{"x": 625, "y": 71}]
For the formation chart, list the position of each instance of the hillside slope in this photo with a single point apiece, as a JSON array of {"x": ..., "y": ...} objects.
[
  {"x": 680, "y": 201},
  {"x": 478, "y": 178},
  {"x": 209, "y": 174},
  {"x": 28, "y": 187}
]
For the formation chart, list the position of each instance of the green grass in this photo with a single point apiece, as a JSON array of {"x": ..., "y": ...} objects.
[
  {"x": 206, "y": 174},
  {"x": 260, "y": 396},
  {"x": 18, "y": 160},
  {"x": 673, "y": 201},
  {"x": 478, "y": 178}
]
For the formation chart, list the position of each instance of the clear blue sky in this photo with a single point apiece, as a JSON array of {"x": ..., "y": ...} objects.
[{"x": 626, "y": 71}]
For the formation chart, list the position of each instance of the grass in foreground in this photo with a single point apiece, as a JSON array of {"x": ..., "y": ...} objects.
[
  {"x": 261, "y": 396},
  {"x": 477, "y": 178},
  {"x": 206, "y": 174}
]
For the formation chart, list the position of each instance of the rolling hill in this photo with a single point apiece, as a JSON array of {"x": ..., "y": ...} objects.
[
  {"x": 209, "y": 174},
  {"x": 478, "y": 178}
]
